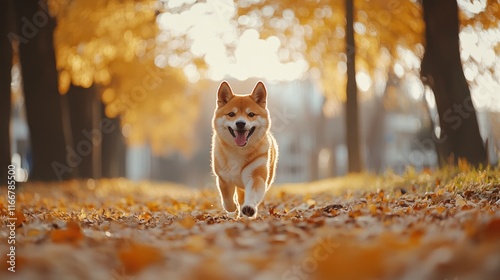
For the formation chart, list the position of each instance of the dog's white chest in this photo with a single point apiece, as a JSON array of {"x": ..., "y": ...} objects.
[{"x": 231, "y": 170}]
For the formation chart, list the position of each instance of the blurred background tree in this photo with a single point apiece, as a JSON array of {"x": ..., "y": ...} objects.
[
  {"x": 105, "y": 68},
  {"x": 33, "y": 35},
  {"x": 351, "y": 108},
  {"x": 117, "y": 51},
  {"x": 390, "y": 35},
  {"x": 6, "y": 57},
  {"x": 442, "y": 70}
]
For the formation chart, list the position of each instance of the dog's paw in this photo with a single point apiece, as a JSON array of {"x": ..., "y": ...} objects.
[
  {"x": 230, "y": 206},
  {"x": 249, "y": 211},
  {"x": 233, "y": 215}
]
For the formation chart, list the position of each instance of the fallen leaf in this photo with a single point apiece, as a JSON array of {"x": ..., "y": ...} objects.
[
  {"x": 71, "y": 234},
  {"x": 492, "y": 229},
  {"x": 373, "y": 209},
  {"x": 139, "y": 256},
  {"x": 187, "y": 222},
  {"x": 19, "y": 218}
]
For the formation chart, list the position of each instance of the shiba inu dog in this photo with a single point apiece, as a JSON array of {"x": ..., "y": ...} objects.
[{"x": 244, "y": 153}]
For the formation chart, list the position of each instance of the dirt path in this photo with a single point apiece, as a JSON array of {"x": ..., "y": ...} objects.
[{"x": 421, "y": 226}]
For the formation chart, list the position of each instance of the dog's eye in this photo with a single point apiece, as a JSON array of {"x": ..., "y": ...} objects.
[
  {"x": 231, "y": 114},
  {"x": 251, "y": 114}
]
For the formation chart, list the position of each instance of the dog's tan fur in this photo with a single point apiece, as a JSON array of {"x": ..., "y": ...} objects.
[{"x": 243, "y": 159}]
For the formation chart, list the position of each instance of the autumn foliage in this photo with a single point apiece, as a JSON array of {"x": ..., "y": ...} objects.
[
  {"x": 125, "y": 41},
  {"x": 117, "y": 50}
]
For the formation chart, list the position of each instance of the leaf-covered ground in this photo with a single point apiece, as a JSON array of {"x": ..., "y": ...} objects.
[{"x": 431, "y": 225}]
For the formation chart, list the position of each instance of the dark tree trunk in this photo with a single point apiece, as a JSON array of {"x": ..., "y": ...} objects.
[
  {"x": 442, "y": 71},
  {"x": 99, "y": 146},
  {"x": 85, "y": 114},
  {"x": 113, "y": 151},
  {"x": 43, "y": 101},
  {"x": 6, "y": 26},
  {"x": 352, "y": 118}
]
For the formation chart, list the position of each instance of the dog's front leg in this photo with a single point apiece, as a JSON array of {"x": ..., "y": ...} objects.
[
  {"x": 227, "y": 195},
  {"x": 241, "y": 196},
  {"x": 254, "y": 194}
]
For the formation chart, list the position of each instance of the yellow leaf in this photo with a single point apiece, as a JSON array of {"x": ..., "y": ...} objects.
[
  {"x": 372, "y": 208},
  {"x": 196, "y": 243},
  {"x": 460, "y": 201}
]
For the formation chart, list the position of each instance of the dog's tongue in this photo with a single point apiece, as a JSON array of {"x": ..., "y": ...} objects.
[{"x": 241, "y": 138}]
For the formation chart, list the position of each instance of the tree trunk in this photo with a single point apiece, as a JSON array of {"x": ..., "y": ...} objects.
[
  {"x": 442, "y": 71},
  {"x": 375, "y": 136},
  {"x": 99, "y": 143},
  {"x": 6, "y": 26},
  {"x": 113, "y": 150},
  {"x": 43, "y": 101},
  {"x": 352, "y": 118},
  {"x": 85, "y": 114}
]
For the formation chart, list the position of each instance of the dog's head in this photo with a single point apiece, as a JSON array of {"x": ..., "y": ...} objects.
[{"x": 241, "y": 120}]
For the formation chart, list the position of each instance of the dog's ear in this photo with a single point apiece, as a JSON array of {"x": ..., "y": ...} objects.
[
  {"x": 259, "y": 94},
  {"x": 224, "y": 94}
]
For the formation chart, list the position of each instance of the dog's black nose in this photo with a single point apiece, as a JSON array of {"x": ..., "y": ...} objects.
[{"x": 240, "y": 125}]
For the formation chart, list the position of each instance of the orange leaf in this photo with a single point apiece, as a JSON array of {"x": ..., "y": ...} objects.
[
  {"x": 138, "y": 256},
  {"x": 492, "y": 229},
  {"x": 440, "y": 209},
  {"x": 463, "y": 165},
  {"x": 19, "y": 218},
  {"x": 71, "y": 234},
  {"x": 153, "y": 205},
  {"x": 372, "y": 208},
  {"x": 416, "y": 236},
  {"x": 343, "y": 262},
  {"x": 188, "y": 222}
]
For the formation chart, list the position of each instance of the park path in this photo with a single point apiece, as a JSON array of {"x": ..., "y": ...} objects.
[{"x": 431, "y": 225}]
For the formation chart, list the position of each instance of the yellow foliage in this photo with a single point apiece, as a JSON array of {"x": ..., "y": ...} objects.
[
  {"x": 380, "y": 26},
  {"x": 116, "y": 44},
  {"x": 113, "y": 44},
  {"x": 387, "y": 33},
  {"x": 92, "y": 34},
  {"x": 155, "y": 105}
]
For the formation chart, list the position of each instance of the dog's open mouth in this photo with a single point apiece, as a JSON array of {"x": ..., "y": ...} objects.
[{"x": 241, "y": 136}]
